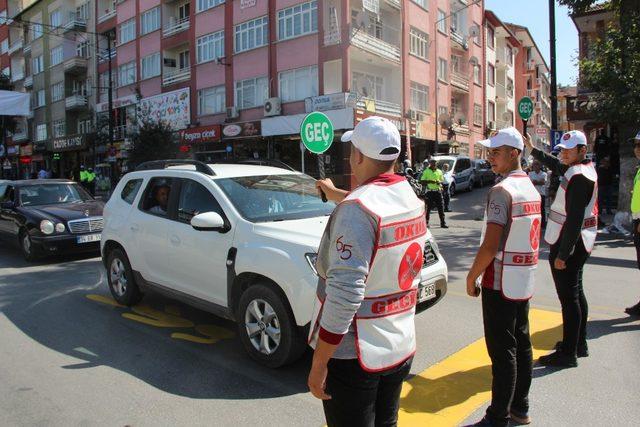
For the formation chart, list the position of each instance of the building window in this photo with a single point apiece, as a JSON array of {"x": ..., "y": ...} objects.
[
  {"x": 419, "y": 97},
  {"x": 442, "y": 110},
  {"x": 491, "y": 112},
  {"x": 4, "y": 46},
  {"x": 84, "y": 126},
  {"x": 419, "y": 45},
  {"x": 41, "y": 132},
  {"x": 37, "y": 30},
  {"x": 477, "y": 114},
  {"x": 211, "y": 100},
  {"x": 82, "y": 49},
  {"x": 510, "y": 87},
  {"x": 491, "y": 75},
  {"x": 41, "y": 100},
  {"x": 491, "y": 42},
  {"x": 508, "y": 54},
  {"x": 58, "y": 128},
  {"x": 298, "y": 20},
  {"x": 55, "y": 18},
  {"x": 7, "y": 72},
  {"x": 477, "y": 75},
  {"x": 210, "y": 47},
  {"x": 477, "y": 40},
  {"x": 150, "y": 20},
  {"x": 252, "y": 34},
  {"x": 127, "y": 73},
  {"x": 208, "y": 4},
  {"x": 510, "y": 121},
  {"x": 128, "y": 31},
  {"x": 82, "y": 12},
  {"x": 104, "y": 82},
  {"x": 442, "y": 69},
  {"x": 56, "y": 55},
  {"x": 38, "y": 64},
  {"x": 57, "y": 91},
  {"x": 150, "y": 66},
  {"x": 368, "y": 85},
  {"x": 442, "y": 21},
  {"x": 422, "y": 3},
  {"x": 251, "y": 92},
  {"x": 298, "y": 84}
]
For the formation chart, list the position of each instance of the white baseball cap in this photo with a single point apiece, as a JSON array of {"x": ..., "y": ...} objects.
[
  {"x": 507, "y": 136},
  {"x": 572, "y": 139},
  {"x": 376, "y": 138},
  {"x": 638, "y": 135}
]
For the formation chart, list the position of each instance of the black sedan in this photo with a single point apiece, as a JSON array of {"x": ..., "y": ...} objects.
[{"x": 47, "y": 217}]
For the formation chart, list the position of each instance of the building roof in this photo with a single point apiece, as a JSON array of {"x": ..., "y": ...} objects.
[
  {"x": 515, "y": 28},
  {"x": 594, "y": 9},
  {"x": 497, "y": 21}
]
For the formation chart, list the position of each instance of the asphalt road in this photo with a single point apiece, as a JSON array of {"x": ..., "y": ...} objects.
[{"x": 69, "y": 356}]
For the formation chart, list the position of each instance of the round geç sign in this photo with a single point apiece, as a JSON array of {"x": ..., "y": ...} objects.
[
  {"x": 316, "y": 132},
  {"x": 525, "y": 108}
]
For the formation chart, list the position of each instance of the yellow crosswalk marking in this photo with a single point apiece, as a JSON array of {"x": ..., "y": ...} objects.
[{"x": 448, "y": 392}]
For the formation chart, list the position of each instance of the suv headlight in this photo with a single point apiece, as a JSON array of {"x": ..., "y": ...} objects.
[
  {"x": 47, "y": 226},
  {"x": 311, "y": 260},
  {"x": 434, "y": 245}
]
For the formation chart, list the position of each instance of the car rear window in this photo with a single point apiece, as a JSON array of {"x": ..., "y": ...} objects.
[{"x": 130, "y": 190}]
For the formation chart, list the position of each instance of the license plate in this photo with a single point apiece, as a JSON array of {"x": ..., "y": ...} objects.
[
  {"x": 426, "y": 292},
  {"x": 88, "y": 238}
]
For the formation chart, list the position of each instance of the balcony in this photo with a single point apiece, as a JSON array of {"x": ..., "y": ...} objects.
[
  {"x": 28, "y": 81},
  {"x": 75, "y": 65},
  {"x": 459, "y": 81},
  {"x": 378, "y": 47},
  {"x": 75, "y": 23},
  {"x": 458, "y": 39},
  {"x": 27, "y": 48},
  {"x": 19, "y": 137},
  {"x": 332, "y": 37},
  {"x": 394, "y": 4},
  {"x": 175, "y": 26},
  {"x": 107, "y": 15},
  {"x": 15, "y": 47},
  {"x": 75, "y": 102},
  {"x": 378, "y": 106},
  {"x": 176, "y": 77},
  {"x": 105, "y": 58},
  {"x": 17, "y": 75}
]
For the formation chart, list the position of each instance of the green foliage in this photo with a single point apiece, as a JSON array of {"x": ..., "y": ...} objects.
[
  {"x": 154, "y": 141},
  {"x": 578, "y": 6}
]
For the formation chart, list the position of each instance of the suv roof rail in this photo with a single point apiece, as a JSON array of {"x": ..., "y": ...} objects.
[
  {"x": 258, "y": 162},
  {"x": 164, "y": 164}
]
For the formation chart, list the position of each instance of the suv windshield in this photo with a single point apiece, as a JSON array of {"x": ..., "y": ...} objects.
[
  {"x": 445, "y": 161},
  {"x": 275, "y": 197},
  {"x": 52, "y": 194}
]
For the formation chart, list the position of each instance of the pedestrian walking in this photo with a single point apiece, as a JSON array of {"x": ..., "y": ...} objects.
[
  {"x": 539, "y": 179},
  {"x": 571, "y": 232},
  {"x": 42, "y": 174},
  {"x": 635, "y": 214},
  {"x": 431, "y": 180},
  {"x": 446, "y": 182},
  {"x": 369, "y": 263},
  {"x": 605, "y": 185},
  {"x": 507, "y": 260}
]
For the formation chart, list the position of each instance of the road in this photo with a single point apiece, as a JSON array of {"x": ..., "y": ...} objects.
[{"x": 70, "y": 356}]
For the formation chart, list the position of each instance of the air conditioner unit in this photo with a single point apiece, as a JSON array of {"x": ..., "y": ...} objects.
[
  {"x": 232, "y": 113},
  {"x": 272, "y": 107}
]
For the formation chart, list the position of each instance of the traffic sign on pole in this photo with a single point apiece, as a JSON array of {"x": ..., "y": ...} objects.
[
  {"x": 556, "y": 137},
  {"x": 525, "y": 108},
  {"x": 316, "y": 132}
]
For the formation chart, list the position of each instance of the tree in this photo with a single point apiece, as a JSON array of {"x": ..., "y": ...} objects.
[
  {"x": 612, "y": 72},
  {"x": 153, "y": 141}
]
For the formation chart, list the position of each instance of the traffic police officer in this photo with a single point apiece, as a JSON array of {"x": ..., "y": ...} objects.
[
  {"x": 507, "y": 260},
  {"x": 635, "y": 214},
  {"x": 571, "y": 232},
  {"x": 369, "y": 263},
  {"x": 432, "y": 177}
]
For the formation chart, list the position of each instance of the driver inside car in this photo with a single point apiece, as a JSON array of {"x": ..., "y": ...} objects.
[{"x": 161, "y": 197}]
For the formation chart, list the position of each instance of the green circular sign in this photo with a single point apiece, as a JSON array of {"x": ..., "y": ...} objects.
[
  {"x": 316, "y": 132},
  {"x": 525, "y": 108}
]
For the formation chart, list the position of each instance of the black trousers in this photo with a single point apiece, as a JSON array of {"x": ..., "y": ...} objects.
[
  {"x": 446, "y": 197},
  {"x": 506, "y": 332},
  {"x": 360, "y": 398},
  {"x": 636, "y": 239},
  {"x": 543, "y": 211},
  {"x": 434, "y": 200},
  {"x": 571, "y": 294}
]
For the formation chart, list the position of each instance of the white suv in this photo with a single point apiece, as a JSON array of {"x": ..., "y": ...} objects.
[{"x": 239, "y": 240}]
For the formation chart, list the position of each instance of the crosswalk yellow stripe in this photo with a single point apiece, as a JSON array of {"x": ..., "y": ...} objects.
[{"x": 448, "y": 392}]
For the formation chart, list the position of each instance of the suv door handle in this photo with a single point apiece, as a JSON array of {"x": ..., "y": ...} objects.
[{"x": 175, "y": 240}]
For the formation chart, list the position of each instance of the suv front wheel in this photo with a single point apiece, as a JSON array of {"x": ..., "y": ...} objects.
[
  {"x": 267, "y": 328},
  {"x": 120, "y": 278}
]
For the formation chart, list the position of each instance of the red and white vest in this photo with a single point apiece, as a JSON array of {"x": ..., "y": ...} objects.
[
  {"x": 384, "y": 324},
  {"x": 518, "y": 259},
  {"x": 558, "y": 213}
]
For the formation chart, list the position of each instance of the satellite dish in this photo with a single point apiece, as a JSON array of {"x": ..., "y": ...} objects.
[
  {"x": 363, "y": 18},
  {"x": 506, "y": 116},
  {"x": 474, "y": 61},
  {"x": 474, "y": 30},
  {"x": 445, "y": 120}
]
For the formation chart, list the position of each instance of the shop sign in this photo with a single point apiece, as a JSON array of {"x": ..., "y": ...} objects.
[
  {"x": 37, "y": 158},
  {"x": 541, "y": 131},
  {"x": 247, "y": 3},
  {"x": 67, "y": 143},
  {"x": 580, "y": 107},
  {"x": 117, "y": 103},
  {"x": 400, "y": 123},
  {"x": 240, "y": 130},
  {"x": 200, "y": 134},
  {"x": 25, "y": 160},
  {"x": 56, "y": 156},
  {"x": 26, "y": 150},
  {"x": 172, "y": 108},
  {"x": 6, "y": 164},
  {"x": 334, "y": 101}
]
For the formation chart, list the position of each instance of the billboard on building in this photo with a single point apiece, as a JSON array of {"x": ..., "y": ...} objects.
[{"x": 173, "y": 108}]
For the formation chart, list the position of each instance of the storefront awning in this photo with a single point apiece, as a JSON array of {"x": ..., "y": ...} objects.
[{"x": 290, "y": 125}]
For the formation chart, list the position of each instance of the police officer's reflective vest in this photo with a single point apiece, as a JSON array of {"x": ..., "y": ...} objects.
[
  {"x": 384, "y": 324},
  {"x": 519, "y": 258},
  {"x": 558, "y": 212}
]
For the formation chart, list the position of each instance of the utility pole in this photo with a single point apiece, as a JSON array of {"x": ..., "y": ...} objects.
[
  {"x": 554, "y": 87},
  {"x": 110, "y": 86}
]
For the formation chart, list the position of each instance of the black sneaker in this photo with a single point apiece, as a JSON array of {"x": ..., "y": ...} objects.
[
  {"x": 583, "y": 349},
  {"x": 444, "y": 225},
  {"x": 559, "y": 359},
  {"x": 634, "y": 310},
  {"x": 519, "y": 417}
]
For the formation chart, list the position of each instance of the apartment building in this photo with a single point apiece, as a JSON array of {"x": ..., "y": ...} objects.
[
  {"x": 565, "y": 92},
  {"x": 4, "y": 39},
  {"x": 53, "y": 59}
]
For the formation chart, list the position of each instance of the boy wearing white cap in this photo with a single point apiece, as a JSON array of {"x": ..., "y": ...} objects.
[
  {"x": 635, "y": 214},
  {"x": 571, "y": 232},
  {"x": 507, "y": 260},
  {"x": 369, "y": 262}
]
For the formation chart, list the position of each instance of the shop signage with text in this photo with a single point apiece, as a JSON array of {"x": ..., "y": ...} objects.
[
  {"x": 200, "y": 134},
  {"x": 334, "y": 101},
  {"x": 67, "y": 143},
  {"x": 239, "y": 130}
]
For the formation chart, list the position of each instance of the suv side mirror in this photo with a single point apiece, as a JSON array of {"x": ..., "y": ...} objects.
[{"x": 208, "y": 221}]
